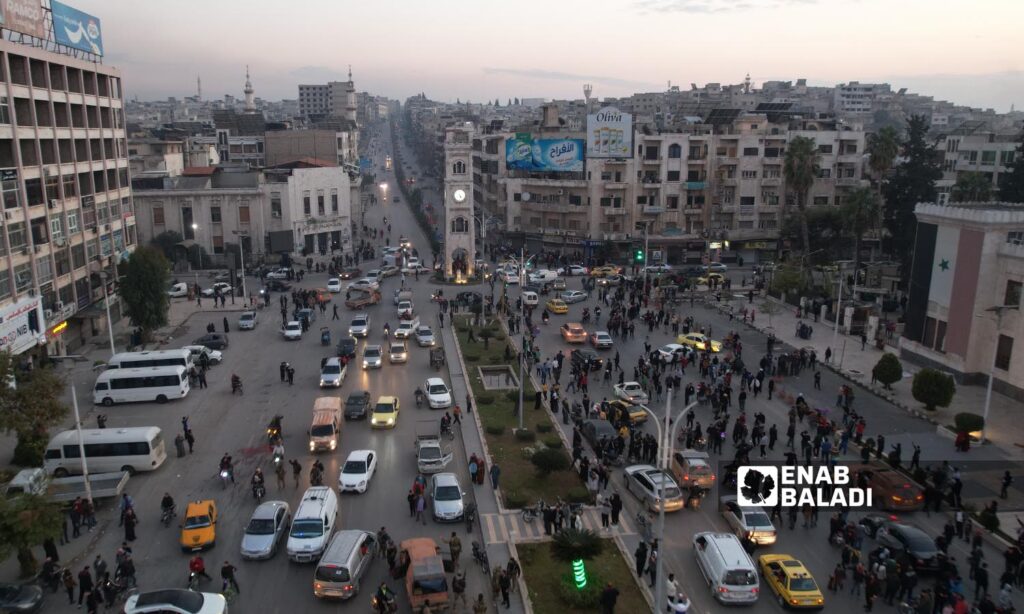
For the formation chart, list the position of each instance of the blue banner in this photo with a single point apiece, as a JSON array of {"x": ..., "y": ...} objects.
[
  {"x": 561, "y": 155},
  {"x": 73, "y": 28},
  {"x": 365, "y": 164}
]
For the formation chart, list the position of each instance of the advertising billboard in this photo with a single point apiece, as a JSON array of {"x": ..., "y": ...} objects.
[
  {"x": 25, "y": 16},
  {"x": 21, "y": 325},
  {"x": 610, "y": 134},
  {"x": 524, "y": 153},
  {"x": 76, "y": 29}
]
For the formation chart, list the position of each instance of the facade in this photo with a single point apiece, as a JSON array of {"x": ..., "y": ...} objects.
[
  {"x": 284, "y": 146},
  {"x": 459, "y": 232},
  {"x": 314, "y": 100},
  {"x": 68, "y": 211},
  {"x": 968, "y": 264},
  {"x": 314, "y": 202},
  {"x": 154, "y": 157},
  {"x": 336, "y": 98},
  {"x": 971, "y": 150},
  {"x": 856, "y": 98}
]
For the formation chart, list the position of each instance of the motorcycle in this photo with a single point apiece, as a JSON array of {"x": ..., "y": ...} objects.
[
  {"x": 166, "y": 515},
  {"x": 480, "y": 557},
  {"x": 274, "y": 429},
  {"x": 470, "y": 516},
  {"x": 278, "y": 459},
  {"x": 193, "y": 580},
  {"x": 259, "y": 490},
  {"x": 225, "y": 477},
  {"x": 389, "y": 604},
  {"x": 586, "y": 316},
  {"x": 419, "y": 397},
  {"x": 531, "y": 513}
]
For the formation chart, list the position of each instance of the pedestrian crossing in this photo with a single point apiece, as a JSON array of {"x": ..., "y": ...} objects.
[{"x": 510, "y": 526}]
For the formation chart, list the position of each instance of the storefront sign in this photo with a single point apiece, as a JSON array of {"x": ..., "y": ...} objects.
[{"x": 20, "y": 325}]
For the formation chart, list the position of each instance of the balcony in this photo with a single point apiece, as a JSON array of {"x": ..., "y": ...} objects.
[
  {"x": 650, "y": 180},
  {"x": 651, "y": 160},
  {"x": 613, "y": 211},
  {"x": 771, "y": 181},
  {"x": 615, "y": 185},
  {"x": 727, "y": 159},
  {"x": 848, "y": 181},
  {"x": 729, "y": 182},
  {"x": 746, "y": 210},
  {"x": 552, "y": 207},
  {"x": 653, "y": 210},
  {"x": 696, "y": 185}
]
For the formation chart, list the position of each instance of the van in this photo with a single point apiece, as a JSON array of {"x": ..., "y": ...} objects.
[
  {"x": 392, "y": 260},
  {"x": 693, "y": 468},
  {"x": 543, "y": 276},
  {"x": 726, "y": 567},
  {"x": 326, "y": 428},
  {"x": 530, "y": 298},
  {"x": 312, "y": 525},
  {"x": 345, "y": 561},
  {"x": 27, "y": 482}
]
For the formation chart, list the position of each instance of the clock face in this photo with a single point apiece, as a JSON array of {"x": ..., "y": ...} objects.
[{"x": 459, "y": 195}]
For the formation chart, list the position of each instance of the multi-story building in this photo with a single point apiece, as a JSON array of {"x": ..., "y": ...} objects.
[
  {"x": 155, "y": 157},
  {"x": 289, "y": 145},
  {"x": 336, "y": 98},
  {"x": 314, "y": 100},
  {"x": 68, "y": 213},
  {"x": 963, "y": 311},
  {"x": 973, "y": 149},
  {"x": 856, "y": 98}
]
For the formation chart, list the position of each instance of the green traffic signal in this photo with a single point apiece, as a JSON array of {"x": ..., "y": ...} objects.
[{"x": 639, "y": 255}]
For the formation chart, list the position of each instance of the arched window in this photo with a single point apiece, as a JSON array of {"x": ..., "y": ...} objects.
[
  {"x": 459, "y": 224},
  {"x": 675, "y": 151},
  {"x": 459, "y": 168}
]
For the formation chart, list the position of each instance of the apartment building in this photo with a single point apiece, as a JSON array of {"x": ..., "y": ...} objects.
[
  {"x": 68, "y": 211},
  {"x": 974, "y": 149},
  {"x": 336, "y": 98},
  {"x": 155, "y": 157}
]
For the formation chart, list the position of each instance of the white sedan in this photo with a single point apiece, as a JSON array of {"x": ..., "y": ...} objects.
[
  {"x": 669, "y": 351},
  {"x": 412, "y": 268},
  {"x": 573, "y": 269},
  {"x": 357, "y": 471},
  {"x": 574, "y": 296},
  {"x": 278, "y": 274},
  {"x": 334, "y": 285},
  {"x": 292, "y": 331},
  {"x": 657, "y": 269},
  {"x": 366, "y": 283},
  {"x": 438, "y": 394},
  {"x": 631, "y": 392},
  {"x": 220, "y": 288}
]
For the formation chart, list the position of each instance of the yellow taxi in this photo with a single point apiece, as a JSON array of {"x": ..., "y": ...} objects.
[
  {"x": 705, "y": 280},
  {"x": 699, "y": 342},
  {"x": 557, "y": 305},
  {"x": 793, "y": 585},
  {"x": 385, "y": 413},
  {"x": 601, "y": 271},
  {"x": 573, "y": 332},
  {"x": 199, "y": 529},
  {"x": 616, "y": 407}
]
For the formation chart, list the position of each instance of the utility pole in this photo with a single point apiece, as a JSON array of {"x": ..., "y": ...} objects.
[{"x": 522, "y": 349}]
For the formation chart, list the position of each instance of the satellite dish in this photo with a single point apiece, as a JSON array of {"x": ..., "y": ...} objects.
[{"x": 526, "y": 197}]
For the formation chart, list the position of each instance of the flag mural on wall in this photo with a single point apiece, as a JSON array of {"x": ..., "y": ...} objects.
[{"x": 947, "y": 241}]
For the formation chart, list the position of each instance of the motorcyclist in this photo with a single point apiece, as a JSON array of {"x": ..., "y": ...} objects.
[
  {"x": 236, "y": 383},
  {"x": 257, "y": 481},
  {"x": 167, "y": 503},
  {"x": 383, "y": 598},
  {"x": 419, "y": 397},
  {"x": 544, "y": 315},
  {"x": 50, "y": 571},
  {"x": 227, "y": 465},
  {"x": 387, "y": 329},
  {"x": 446, "y": 422},
  {"x": 197, "y": 566},
  {"x": 278, "y": 451},
  {"x": 274, "y": 428}
]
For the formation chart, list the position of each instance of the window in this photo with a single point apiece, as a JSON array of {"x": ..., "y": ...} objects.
[
  {"x": 275, "y": 204},
  {"x": 459, "y": 168},
  {"x": 243, "y": 214},
  {"x": 158, "y": 215},
  {"x": 575, "y": 199},
  {"x": 215, "y": 215},
  {"x": 1012, "y": 296},
  {"x": 78, "y": 255},
  {"x": 824, "y": 173},
  {"x": 748, "y": 174},
  {"x": 988, "y": 158},
  {"x": 651, "y": 153},
  {"x": 9, "y": 188},
  {"x": 1015, "y": 237},
  {"x": 673, "y": 175},
  {"x": 746, "y": 201},
  {"x": 824, "y": 149},
  {"x": 56, "y": 227},
  {"x": 606, "y": 176},
  {"x": 5, "y": 111},
  {"x": 23, "y": 277},
  {"x": 218, "y": 244},
  {"x": 672, "y": 202},
  {"x": 750, "y": 151},
  {"x": 606, "y": 201},
  {"x": 517, "y": 197},
  {"x": 16, "y": 237},
  {"x": 5, "y": 283},
  {"x": 305, "y": 203},
  {"x": 821, "y": 200},
  {"x": 675, "y": 151},
  {"x": 1004, "y": 352},
  {"x": 69, "y": 184},
  {"x": 320, "y": 203},
  {"x": 1006, "y": 157},
  {"x": 459, "y": 224},
  {"x": 334, "y": 201}
]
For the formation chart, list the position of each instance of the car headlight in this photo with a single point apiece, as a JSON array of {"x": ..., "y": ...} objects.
[
  {"x": 362, "y": 483},
  {"x": 312, "y": 446},
  {"x": 334, "y": 443}
]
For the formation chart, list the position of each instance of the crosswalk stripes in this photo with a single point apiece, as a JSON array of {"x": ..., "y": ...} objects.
[{"x": 510, "y": 526}]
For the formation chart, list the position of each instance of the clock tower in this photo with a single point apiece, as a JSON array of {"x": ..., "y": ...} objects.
[{"x": 459, "y": 230}]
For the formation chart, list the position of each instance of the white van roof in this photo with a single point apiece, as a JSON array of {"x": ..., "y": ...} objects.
[{"x": 313, "y": 502}]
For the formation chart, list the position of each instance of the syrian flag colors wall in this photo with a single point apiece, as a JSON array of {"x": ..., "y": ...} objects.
[{"x": 947, "y": 243}]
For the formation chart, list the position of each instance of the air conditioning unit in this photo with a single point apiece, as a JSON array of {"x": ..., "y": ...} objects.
[
  {"x": 106, "y": 227},
  {"x": 48, "y": 314},
  {"x": 276, "y": 214},
  {"x": 53, "y": 203},
  {"x": 58, "y": 306},
  {"x": 561, "y": 191},
  {"x": 60, "y": 242},
  {"x": 8, "y": 215}
]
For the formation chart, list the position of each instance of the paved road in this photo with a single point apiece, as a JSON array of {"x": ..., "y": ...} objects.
[{"x": 236, "y": 425}]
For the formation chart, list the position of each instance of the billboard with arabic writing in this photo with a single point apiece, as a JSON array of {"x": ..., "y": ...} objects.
[
  {"x": 76, "y": 29},
  {"x": 524, "y": 153}
]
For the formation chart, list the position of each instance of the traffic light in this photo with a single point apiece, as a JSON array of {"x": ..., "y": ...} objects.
[{"x": 638, "y": 256}]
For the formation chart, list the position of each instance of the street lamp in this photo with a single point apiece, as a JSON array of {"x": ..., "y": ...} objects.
[
  {"x": 242, "y": 236},
  {"x": 999, "y": 310},
  {"x": 106, "y": 302},
  {"x": 667, "y": 436},
  {"x": 199, "y": 250}
]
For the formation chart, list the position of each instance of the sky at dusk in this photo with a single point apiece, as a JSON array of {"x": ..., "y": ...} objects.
[{"x": 966, "y": 51}]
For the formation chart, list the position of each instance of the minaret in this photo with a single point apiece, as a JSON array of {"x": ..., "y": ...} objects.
[
  {"x": 350, "y": 98},
  {"x": 746, "y": 84},
  {"x": 199, "y": 88},
  {"x": 250, "y": 103}
]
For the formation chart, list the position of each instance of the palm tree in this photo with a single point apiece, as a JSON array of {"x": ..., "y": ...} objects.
[
  {"x": 859, "y": 213},
  {"x": 972, "y": 187},
  {"x": 882, "y": 148},
  {"x": 800, "y": 169}
]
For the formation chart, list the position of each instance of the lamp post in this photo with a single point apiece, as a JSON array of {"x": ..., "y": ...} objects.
[
  {"x": 106, "y": 303},
  {"x": 666, "y": 434},
  {"x": 242, "y": 235},
  {"x": 999, "y": 310},
  {"x": 199, "y": 251}
]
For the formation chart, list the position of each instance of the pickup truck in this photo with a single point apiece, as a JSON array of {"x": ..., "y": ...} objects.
[
  {"x": 35, "y": 481},
  {"x": 361, "y": 299},
  {"x": 425, "y": 579},
  {"x": 431, "y": 456}
]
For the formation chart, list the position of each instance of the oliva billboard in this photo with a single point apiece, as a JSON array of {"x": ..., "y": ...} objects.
[{"x": 610, "y": 134}]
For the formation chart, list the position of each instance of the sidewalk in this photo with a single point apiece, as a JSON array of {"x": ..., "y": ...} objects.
[{"x": 1005, "y": 429}]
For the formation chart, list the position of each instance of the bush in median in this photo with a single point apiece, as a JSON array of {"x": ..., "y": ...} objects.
[
  {"x": 967, "y": 422},
  {"x": 933, "y": 388},
  {"x": 525, "y": 435},
  {"x": 888, "y": 370},
  {"x": 548, "y": 460}
]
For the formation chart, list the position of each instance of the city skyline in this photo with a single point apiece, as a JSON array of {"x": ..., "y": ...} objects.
[{"x": 487, "y": 52}]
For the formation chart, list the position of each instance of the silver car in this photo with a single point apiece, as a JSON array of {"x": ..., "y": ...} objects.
[
  {"x": 446, "y": 497},
  {"x": 266, "y": 527},
  {"x": 360, "y": 325},
  {"x": 373, "y": 357},
  {"x": 332, "y": 373},
  {"x": 247, "y": 321},
  {"x": 574, "y": 296},
  {"x": 424, "y": 337}
]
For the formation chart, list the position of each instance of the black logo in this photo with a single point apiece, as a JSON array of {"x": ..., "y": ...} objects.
[{"x": 757, "y": 487}]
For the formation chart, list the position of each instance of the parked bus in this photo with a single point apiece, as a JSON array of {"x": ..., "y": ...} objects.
[
  {"x": 156, "y": 358},
  {"x": 159, "y": 384},
  {"x": 128, "y": 449}
]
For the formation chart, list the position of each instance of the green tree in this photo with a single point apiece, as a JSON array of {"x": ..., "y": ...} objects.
[
  {"x": 800, "y": 168},
  {"x": 859, "y": 214},
  {"x": 888, "y": 370},
  {"x": 166, "y": 242},
  {"x": 826, "y": 229},
  {"x": 971, "y": 188},
  {"x": 144, "y": 289},
  {"x": 1011, "y": 182},
  {"x": 572, "y": 544},
  {"x": 933, "y": 388},
  {"x": 29, "y": 408},
  {"x": 912, "y": 182},
  {"x": 882, "y": 148},
  {"x": 786, "y": 279},
  {"x": 25, "y": 521}
]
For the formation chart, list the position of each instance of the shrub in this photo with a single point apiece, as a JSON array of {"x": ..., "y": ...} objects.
[
  {"x": 495, "y": 429},
  {"x": 547, "y": 461},
  {"x": 28, "y": 452},
  {"x": 572, "y": 544},
  {"x": 513, "y": 395},
  {"x": 515, "y": 499},
  {"x": 462, "y": 328},
  {"x": 988, "y": 520},
  {"x": 933, "y": 388},
  {"x": 586, "y": 600},
  {"x": 526, "y": 435},
  {"x": 471, "y": 357},
  {"x": 484, "y": 399},
  {"x": 553, "y": 443},
  {"x": 967, "y": 422},
  {"x": 888, "y": 370},
  {"x": 545, "y": 427},
  {"x": 578, "y": 494}
]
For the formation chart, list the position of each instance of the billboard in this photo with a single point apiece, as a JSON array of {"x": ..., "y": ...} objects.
[
  {"x": 21, "y": 325},
  {"x": 524, "y": 153},
  {"x": 25, "y": 16},
  {"x": 76, "y": 29},
  {"x": 610, "y": 134}
]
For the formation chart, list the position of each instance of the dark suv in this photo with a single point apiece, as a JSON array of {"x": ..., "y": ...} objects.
[
  {"x": 587, "y": 359},
  {"x": 347, "y": 347}
]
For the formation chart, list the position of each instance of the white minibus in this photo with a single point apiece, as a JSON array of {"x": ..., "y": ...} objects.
[
  {"x": 129, "y": 449},
  {"x": 159, "y": 384},
  {"x": 181, "y": 357}
]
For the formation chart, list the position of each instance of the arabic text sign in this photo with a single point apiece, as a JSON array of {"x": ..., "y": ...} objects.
[
  {"x": 527, "y": 154},
  {"x": 20, "y": 325},
  {"x": 76, "y": 29},
  {"x": 610, "y": 134},
  {"x": 25, "y": 16}
]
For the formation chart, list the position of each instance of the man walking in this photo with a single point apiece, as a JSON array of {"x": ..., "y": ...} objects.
[{"x": 227, "y": 574}]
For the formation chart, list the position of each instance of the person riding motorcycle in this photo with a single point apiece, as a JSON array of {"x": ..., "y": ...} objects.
[
  {"x": 257, "y": 481},
  {"x": 419, "y": 397},
  {"x": 586, "y": 315},
  {"x": 228, "y": 466},
  {"x": 544, "y": 315},
  {"x": 197, "y": 566},
  {"x": 446, "y": 423},
  {"x": 274, "y": 432},
  {"x": 167, "y": 503},
  {"x": 384, "y": 598},
  {"x": 236, "y": 383},
  {"x": 278, "y": 452},
  {"x": 387, "y": 329}
]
